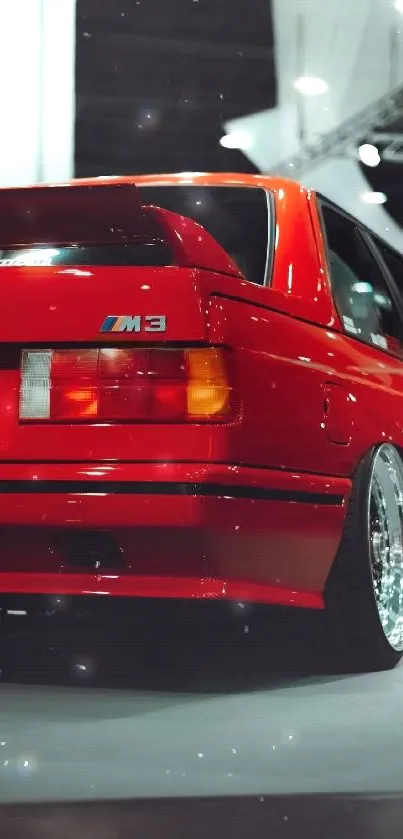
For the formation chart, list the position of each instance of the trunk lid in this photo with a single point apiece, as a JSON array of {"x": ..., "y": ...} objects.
[
  {"x": 71, "y": 305},
  {"x": 90, "y": 267}
]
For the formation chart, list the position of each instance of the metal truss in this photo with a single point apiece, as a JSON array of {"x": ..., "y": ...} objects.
[
  {"x": 390, "y": 144},
  {"x": 344, "y": 140}
]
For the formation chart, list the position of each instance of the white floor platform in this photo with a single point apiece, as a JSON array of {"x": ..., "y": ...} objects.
[{"x": 292, "y": 735}]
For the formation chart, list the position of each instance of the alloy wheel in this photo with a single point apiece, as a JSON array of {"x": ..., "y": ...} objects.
[{"x": 385, "y": 531}]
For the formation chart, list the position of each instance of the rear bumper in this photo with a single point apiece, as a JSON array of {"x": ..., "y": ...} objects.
[{"x": 186, "y": 530}]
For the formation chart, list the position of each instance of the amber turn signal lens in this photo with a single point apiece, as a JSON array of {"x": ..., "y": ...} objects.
[{"x": 208, "y": 387}]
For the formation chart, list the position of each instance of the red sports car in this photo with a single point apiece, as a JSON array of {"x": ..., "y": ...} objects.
[{"x": 201, "y": 396}]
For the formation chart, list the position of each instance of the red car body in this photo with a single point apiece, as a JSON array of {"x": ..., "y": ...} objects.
[{"x": 248, "y": 507}]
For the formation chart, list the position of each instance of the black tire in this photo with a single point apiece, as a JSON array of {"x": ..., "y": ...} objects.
[{"x": 356, "y": 635}]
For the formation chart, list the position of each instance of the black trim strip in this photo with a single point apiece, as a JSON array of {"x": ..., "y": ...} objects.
[{"x": 165, "y": 488}]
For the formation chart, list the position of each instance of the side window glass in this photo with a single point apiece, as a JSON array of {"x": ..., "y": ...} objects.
[{"x": 359, "y": 288}]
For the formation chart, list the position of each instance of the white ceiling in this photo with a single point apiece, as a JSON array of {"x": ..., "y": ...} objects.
[{"x": 356, "y": 46}]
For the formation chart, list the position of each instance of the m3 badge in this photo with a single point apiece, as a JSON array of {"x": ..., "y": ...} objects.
[{"x": 134, "y": 323}]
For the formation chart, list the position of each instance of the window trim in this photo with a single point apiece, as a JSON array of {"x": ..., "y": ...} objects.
[
  {"x": 366, "y": 237},
  {"x": 271, "y": 238},
  {"x": 397, "y": 297}
]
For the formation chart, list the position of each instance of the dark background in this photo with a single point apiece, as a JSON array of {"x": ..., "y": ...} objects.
[
  {"x": 388, "y": 178},
  {"x": 156, "y": 79}
]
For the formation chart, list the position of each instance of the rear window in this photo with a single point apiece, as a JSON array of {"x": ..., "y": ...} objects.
[
  {"x": 77, "y": 225},
  {"x": 237, "y": 217},
  {"x": 82, "y": 226}
]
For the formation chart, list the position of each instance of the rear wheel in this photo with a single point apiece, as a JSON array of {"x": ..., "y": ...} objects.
[{"x": 364, "y": 593}]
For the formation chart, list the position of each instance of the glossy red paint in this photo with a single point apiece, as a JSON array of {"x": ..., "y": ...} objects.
[
  {"x": 173, "y": 542},
  {"x": 190, "y": 243},
  {"x": 188, "y": 588},
  {"x": 250, "y": 510}
]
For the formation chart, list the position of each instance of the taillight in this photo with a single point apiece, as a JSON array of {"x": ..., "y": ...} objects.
[{"x": 125, "y": 384}]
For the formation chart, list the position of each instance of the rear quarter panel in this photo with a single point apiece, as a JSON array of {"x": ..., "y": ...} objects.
[
  {"x": 289, "y": 347},
  {"x": 283, "y": 366}
]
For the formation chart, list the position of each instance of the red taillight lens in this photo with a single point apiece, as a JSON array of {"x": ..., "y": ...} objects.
[
  {"x": 127, "y": 385},
  {"x": 74, "y": 385}
]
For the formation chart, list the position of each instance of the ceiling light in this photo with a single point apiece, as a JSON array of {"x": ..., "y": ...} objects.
[
  {"x": 399, "y": 5},
  {"x": 374, "y": 198},
  {"x": 237, "y": 140},
  {"x": 311, "y": 86},
  {"x": 369, "y": 154}
]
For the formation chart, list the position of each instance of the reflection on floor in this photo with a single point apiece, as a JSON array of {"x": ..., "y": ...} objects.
[{"x": 193, "y": 715}]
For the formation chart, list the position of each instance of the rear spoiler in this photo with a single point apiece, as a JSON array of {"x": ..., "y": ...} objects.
[{"x": 82, "y": 215}]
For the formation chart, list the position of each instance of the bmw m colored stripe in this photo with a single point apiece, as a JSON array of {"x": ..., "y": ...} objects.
[{"x": 109, "y": 323}]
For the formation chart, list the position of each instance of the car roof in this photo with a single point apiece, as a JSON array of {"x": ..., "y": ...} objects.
[{"x": 181, "y": 179}]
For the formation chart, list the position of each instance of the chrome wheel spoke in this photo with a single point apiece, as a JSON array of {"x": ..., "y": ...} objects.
[{"x": 385, "y": 525}]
